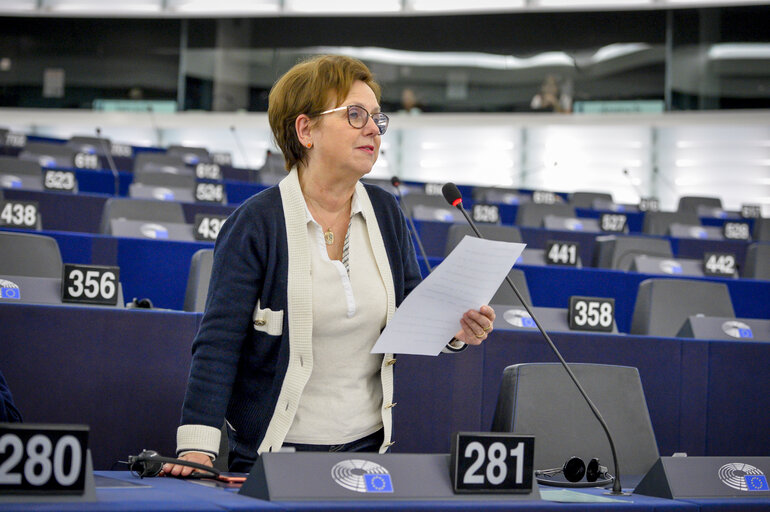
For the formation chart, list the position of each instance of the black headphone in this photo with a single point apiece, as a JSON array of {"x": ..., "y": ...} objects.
[
  {"x": 149, "y": 463},
  {"x": 574, "y": 470}
]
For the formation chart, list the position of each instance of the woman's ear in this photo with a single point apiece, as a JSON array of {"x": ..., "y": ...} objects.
[{"x": 303, "y": 125}]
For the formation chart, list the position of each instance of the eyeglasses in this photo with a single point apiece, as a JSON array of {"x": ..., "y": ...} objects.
[{"x": 358, "y": 117}]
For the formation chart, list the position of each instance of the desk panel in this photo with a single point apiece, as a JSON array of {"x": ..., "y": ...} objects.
[{"x": 123, "y": 372}]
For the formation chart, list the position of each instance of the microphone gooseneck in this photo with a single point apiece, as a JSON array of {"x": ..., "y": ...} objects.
[
  {"x": 240, "y": 147},
  {"x": 397, "y": 185},
  {"x": 453, "y": 197},
  {"x": 108, "y": 153}
]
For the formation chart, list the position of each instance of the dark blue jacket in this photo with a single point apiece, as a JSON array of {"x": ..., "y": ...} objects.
[{"x": 8, "y": 411}]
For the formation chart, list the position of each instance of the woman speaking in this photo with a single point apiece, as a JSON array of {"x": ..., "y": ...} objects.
[{"x": 306, "y": 275}]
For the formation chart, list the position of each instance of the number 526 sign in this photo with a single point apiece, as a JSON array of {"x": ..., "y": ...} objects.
[{"x": 492, "y": 462}]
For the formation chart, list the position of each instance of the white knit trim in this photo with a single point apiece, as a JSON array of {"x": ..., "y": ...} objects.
[
  {"x": 300, "y": 311},
  {"x": 196, "y": 438},
  {"x": 381, "y": 257}
]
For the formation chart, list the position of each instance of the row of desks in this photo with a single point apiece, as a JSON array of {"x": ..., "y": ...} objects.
[{"x": 124, "y": 372}]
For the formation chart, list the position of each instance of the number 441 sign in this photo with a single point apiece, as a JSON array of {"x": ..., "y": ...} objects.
[{"x": 492, "y": 462}]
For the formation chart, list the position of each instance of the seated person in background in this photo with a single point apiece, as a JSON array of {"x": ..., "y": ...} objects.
[
  {"x": 8, "y": 411},
  {"x": 305, "y": 276},
  {"x": 550, "y": 98}
]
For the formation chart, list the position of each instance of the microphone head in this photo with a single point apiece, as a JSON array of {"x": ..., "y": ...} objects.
[
  {"x": 395, "y": 181},
  {"x": 452, "y": 194},
  {"x": 98, "y": 132}
]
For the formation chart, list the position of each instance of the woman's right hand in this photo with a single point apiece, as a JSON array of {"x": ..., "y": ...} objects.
[{"x": 180, "y": 470}]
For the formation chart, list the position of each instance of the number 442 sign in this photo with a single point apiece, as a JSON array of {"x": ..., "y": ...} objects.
[{"x": 492, "y": 462}]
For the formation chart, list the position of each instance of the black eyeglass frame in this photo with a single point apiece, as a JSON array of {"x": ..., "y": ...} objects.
[{"x": 378, "y": 117}]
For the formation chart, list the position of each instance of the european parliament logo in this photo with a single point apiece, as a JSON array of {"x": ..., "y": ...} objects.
[
  {"x": 362, "y": 476},
  {"x": 9, "y": 290}
]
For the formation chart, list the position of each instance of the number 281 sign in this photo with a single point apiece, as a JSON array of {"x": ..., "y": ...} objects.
[{"x": 492, "y": 462}]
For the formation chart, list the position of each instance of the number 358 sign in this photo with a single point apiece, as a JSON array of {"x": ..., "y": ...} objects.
[{"x": 484, "y": 462}]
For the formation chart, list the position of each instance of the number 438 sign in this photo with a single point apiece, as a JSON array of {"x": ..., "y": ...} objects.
[{"x": 492, "y": 462}]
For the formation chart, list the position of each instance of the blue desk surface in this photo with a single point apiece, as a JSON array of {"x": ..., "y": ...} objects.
[{"x": 168, "y": 494}]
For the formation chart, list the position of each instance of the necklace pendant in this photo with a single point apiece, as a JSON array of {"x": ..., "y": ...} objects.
[{"x": 329, "y": 237}]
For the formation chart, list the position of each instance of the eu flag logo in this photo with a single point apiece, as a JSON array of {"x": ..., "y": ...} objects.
[
  {"x": 377, "y": 482},
  {"x": 10, "y": 293},
  {"x": 527, "y": 322},
  {"x": 745, "y": 333},
  {"x": 756, "y": 482}
]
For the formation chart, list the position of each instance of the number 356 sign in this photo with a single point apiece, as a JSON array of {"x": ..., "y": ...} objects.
[{"x": 484, "y": 462}]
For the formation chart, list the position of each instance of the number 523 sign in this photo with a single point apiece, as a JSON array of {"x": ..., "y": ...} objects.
[{"x": 492, "y": 462}]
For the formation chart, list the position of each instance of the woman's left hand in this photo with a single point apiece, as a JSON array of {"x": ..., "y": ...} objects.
[{"x": 476, "y": 325}]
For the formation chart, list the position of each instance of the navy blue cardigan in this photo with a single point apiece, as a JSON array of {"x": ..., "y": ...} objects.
[{"x": 237, "y": 371}]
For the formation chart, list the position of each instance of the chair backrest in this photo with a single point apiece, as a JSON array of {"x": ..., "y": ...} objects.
[
  {"x": 761, "y": 230},
  {"x": 48, "y": 154},
  {"x": 190, "y": 155},
  {"x": 148, "y": 161},
  {"x": 532, "y": 214},
  {"x": 586, "y": 199},
  {"x": 198, "y": 280},
  {"x": 757, "y": 261},
  {"x": 23, "y": 254},
  {"x": 140, "y": 209},
  {"x": 164, "y": 179},
  {"x": 663, "y": 305},
  {"x": 657, "y": 223},
  {"x": 505, "y": 296},
  {"x": 92, "y": 145},
  {"x": 492, "y": 232},
  {"x": 409, "y": 201},
  {"x": 12, "y": 165},
  {"x": 541, "y": 400},
  {"x": 273, "y": 170},
  {"x": 690, "y": 204},
  {"x": 618, "y": 252}
]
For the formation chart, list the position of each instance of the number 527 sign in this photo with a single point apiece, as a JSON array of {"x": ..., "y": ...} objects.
[{"x": 492, "y": 462}]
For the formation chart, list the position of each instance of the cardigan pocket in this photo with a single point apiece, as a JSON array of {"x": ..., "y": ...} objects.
[{"x": 268, "y": 321}]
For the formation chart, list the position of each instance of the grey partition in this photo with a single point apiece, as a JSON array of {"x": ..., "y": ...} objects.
[
  {"x": 23, "y": 254},
  {"x": 761, "y": 231},
  {"x": 502, "y": 233},
  {"x": 198, "y": 280},
  {"x": 586, "y": 199},
  {"x": 618, "y": 252},
  {"x": 658, "y": 223},
  {"x": 540, "y": 399},
  {"x": 190, "y": 155},
  {"x": 532, "y": 214},
  {"x": 757, "y": 261},
  {"x": 140, "y": 209},
  {"x": 25, "y": 174},
  {"x": 48, "y": 155},
  {"x": 273, "y": 170},
  {"x": 690, "y": 204},
  {"x": 147, "y": 161},
  {"x": 663, "y": 305},
  {"x": 93, "y": 145}
]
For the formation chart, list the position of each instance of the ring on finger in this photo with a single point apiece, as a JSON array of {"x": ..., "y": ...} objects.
[
  {"x": 479, "y": 336},
  {"x": 488, "y": 328}
]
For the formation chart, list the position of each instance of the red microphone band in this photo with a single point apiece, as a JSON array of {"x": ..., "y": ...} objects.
[{"x": 457, "y": 201}]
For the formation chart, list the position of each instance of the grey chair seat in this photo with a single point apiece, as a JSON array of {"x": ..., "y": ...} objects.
[
  {"x": 540, "y": 399},
  {"x": 198, "y": 280},
  {"x": 663, "y": 305},
  {"x": 491, "y": 232},
  {"x": 618, "y": 252},
  {"x": 140, "y": 209},
  {"x": 532, "y": 214},
  {"x": 23, "y": 254}
]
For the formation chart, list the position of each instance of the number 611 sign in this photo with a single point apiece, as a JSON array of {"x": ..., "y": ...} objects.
[{"x": 492, "y": 462}]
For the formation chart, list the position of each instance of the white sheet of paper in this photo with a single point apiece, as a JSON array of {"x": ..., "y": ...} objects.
[{"x": 466, "y": 279}]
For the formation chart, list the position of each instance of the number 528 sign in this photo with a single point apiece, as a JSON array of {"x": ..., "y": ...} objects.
[{"x": 492, "y": 462}]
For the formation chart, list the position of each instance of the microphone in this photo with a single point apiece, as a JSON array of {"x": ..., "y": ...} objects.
[
  {"x": 631, "y": 181},
  {"x": 154, "y": 125},
  {"x": 108, "y": 153},
  {"x": 397, "y": 185},
  {"x": 453, "y": 197},
  {"x": 240, "y": 147}
]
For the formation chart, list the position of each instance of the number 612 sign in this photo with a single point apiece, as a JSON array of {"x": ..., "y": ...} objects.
[{"x": 492, "y": 462}]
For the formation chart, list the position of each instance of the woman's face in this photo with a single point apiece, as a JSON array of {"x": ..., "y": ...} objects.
[{"x": 337, "y": 145}]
